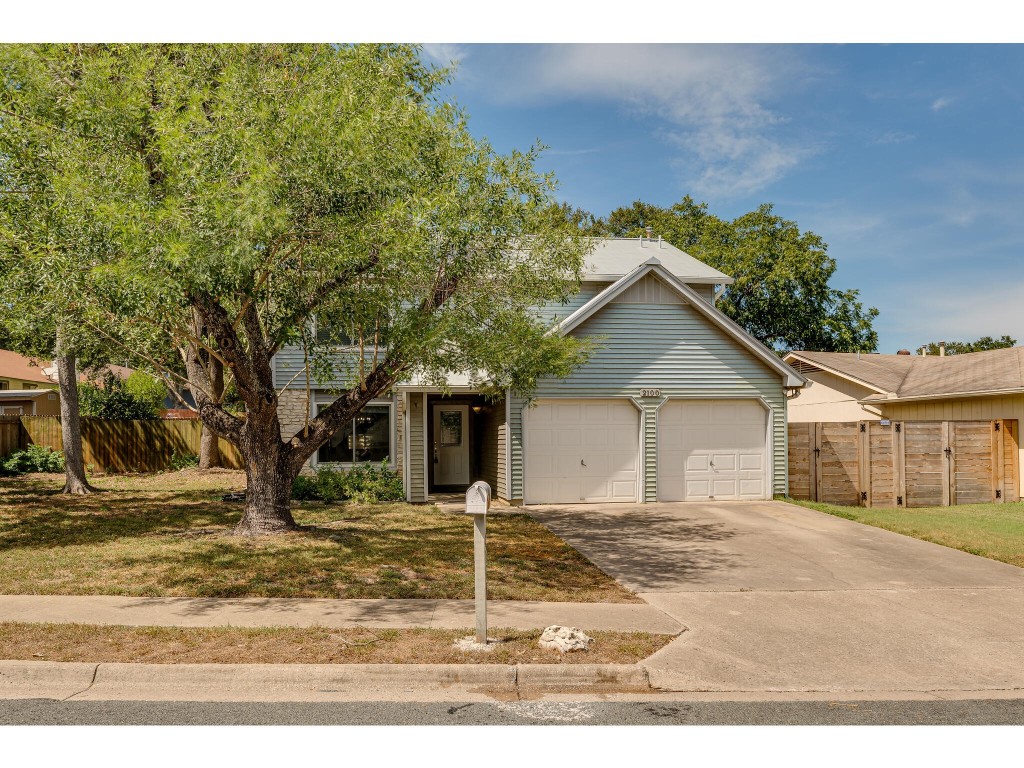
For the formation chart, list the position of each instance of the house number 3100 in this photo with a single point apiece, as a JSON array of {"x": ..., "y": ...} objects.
[{"x": 650, "y": 393}]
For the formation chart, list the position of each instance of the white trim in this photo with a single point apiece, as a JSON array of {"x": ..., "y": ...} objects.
[
  {"x": 406, "y": 472},
  {"x": 769, "y": 437},
  {"x": 426, "y": 452},
  {"x": 508, "y": 445},
  {"x": 652, "y": 265},
  {"x": 639, "y": 498}
]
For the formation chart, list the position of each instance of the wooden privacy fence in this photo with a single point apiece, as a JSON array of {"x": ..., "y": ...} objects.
[
  {"x": 904, "y": 463},
  {"x": 115, "y": 446}
]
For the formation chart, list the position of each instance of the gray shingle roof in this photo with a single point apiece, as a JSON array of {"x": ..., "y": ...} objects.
[
  {"x": 923, "y": 376},
  {"x": 614, "y": 257}
]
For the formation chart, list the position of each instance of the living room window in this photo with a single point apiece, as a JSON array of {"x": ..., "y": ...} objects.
[{"x": 366, "y": 438}]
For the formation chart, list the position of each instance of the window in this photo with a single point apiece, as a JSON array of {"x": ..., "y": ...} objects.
[
  {"x": 31, "y": 386},
  {"x": 366, "y": 438},
  {"x": 4, "y": 384}
]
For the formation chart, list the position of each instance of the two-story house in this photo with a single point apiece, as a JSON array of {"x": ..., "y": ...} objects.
[{"x": 677, "y": 402}]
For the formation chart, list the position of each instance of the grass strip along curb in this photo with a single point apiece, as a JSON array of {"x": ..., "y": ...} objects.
[{"x": 306, "y": 645}]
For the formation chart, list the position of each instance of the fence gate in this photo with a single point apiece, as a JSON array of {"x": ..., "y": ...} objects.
[{"x": 904, "y": 463}]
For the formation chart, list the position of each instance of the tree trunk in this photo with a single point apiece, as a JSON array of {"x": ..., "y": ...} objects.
[
  {"x": 209, "y": 446},
  {"x": 71, "y": 424},
  {"x": 269, "y": 475}
]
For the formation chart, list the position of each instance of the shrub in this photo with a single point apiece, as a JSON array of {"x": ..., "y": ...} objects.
[
  {"x": 183, "y": 461},
  {"x": 363, "y": 483},
  {"x": 113, "y": 400},
  {"x": 147, "y": 389},
  {"x": 35, "y": 458}
]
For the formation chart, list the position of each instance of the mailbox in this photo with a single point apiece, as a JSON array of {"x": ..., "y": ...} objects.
[{"x": 478, "y": 498}]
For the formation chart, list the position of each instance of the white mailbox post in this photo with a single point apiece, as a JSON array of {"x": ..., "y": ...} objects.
[{"x": 478, "y": 502}]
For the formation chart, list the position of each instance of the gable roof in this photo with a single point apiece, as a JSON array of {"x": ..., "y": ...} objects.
[
  {"x": 15, "y": 366},
  {"x": 615, "y": 257},
  {"x": 654, "y": 266},
  {"x": 925, "y": 377}
]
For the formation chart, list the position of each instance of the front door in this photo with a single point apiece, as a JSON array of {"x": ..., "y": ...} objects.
[{"x": 451, "y": 444}]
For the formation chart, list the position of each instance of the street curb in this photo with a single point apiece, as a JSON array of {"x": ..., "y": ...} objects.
[{"x": 202, "y": 682}]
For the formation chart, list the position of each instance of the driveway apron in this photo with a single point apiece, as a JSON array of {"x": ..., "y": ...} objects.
[{"x": 776, "y": 597}]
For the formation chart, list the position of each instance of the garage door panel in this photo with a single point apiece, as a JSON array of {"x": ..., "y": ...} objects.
[
  {"x": 712, "y": 449},
  {"x": 587, "y": 451}
]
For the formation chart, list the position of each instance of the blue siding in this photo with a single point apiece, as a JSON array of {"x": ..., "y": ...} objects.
[{"x": 673, "y": 348}]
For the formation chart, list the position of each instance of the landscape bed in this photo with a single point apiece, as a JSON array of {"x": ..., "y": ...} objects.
[
  {"x": 169, "y": 535},
  {"x": 314, "y": 645}
]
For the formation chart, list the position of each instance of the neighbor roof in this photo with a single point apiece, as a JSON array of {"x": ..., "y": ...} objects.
[
  {"x": 15, "y": 366},
  {"x": 614, "y": 257},
  {"x": 23, "y": 394},
  {"x": 923, "y": 377}
]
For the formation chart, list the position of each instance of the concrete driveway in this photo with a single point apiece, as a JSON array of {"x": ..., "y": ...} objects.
[{"x": 776, "y": 597}]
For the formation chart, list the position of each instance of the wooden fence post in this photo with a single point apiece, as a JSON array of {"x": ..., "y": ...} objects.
[
  {"x": 864, "y": 463},
  {"x": 816, "y": 461},
  {"x": 899, "y": 462},
  {"x": 948, "y": 475},
  {"x": 998, "y": 468}
]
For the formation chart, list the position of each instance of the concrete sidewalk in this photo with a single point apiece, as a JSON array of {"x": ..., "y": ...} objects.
[{"x": 288, "y": 612}]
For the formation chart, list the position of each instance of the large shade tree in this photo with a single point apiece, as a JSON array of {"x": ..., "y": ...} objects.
[
  {"x": 255, "y": 189},
  {"x": 782, "y": 292}
]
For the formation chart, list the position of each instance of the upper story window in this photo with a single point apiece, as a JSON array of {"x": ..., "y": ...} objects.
[
  {"x": 4, "y": 384},
  {"x": 346, "y": 335},
  {"x": 31, "y": 386}
]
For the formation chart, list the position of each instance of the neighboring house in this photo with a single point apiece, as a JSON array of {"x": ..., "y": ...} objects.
[
  {"x": 677, "y": 403},
  {"x": 842, "y": 386},
  {"x": 25, "y": 390}
]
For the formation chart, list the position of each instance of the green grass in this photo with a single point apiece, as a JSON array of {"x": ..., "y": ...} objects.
[
  {"x": 169, "y": 535},
  {"x": 995, "y": 531}
]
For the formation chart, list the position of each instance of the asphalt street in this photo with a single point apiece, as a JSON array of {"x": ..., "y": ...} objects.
[{"x": 971, "y": 712}]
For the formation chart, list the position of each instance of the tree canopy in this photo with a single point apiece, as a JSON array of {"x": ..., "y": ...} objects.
[
  {"x": 249, "y": 189},
  {"x": 782, "y": 294},
  {"x": 983, "y": 344}
]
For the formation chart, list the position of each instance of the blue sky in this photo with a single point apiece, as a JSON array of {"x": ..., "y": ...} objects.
[{"x": 907, "y": 159}]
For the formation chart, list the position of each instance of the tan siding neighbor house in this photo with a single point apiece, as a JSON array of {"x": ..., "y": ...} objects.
[{"x": 978, "y": 386}]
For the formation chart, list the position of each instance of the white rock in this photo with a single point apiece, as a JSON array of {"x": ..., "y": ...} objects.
[
  {"x": 470, "y": 644},
  {"x": 565, "y": 639}
]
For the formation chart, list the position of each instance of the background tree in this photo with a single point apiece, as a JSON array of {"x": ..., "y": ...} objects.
[
  {"x": 112, "y": 398},
  {"x": 983, "y": 344},
  {"x": 781, "y": 294},
  {"x": 47, "y": 240},
  {"x": 255, "y": 187}
]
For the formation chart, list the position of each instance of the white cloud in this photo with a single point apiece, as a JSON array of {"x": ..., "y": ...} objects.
[
  {"x": 443, "y": 54},
  {"x": 711, "y": 101},
  {"x": 941, "y": 103}
]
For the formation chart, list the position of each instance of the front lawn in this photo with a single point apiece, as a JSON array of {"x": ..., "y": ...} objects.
[
  {"x": 995, "y": 531},
  {"x": 313, "y": 645},
  {"x": 168, "y": 535}
]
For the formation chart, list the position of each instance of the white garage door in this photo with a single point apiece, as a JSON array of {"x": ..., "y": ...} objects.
[
  {"x": 712, "y": 449},
  {"x": 581, "y": 450}
]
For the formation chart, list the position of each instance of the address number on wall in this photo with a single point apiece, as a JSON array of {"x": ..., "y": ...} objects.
[{"x": 650, "y": 393}]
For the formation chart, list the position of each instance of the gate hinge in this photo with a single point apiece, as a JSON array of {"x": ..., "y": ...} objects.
[
  {"x": 899, "y": 501},
  {"x": 863, "y": 495},
  {"x": 863, "y": 427},
  {"x": 999, "y": 493},
  {"x": 898, "y": 426},
  {"x": 997, "y": 426}
]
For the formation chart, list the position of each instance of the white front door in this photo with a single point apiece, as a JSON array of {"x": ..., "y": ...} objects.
[
  {"x": 451, "y": 444},
  {"x": 712, "y": 449},
  {"x": 582, "y": 450}
]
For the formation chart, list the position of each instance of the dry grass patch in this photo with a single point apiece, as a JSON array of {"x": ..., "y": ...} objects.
[
  {"x": 169, "y": 535},
  {"x": 314, "y": 645}
]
